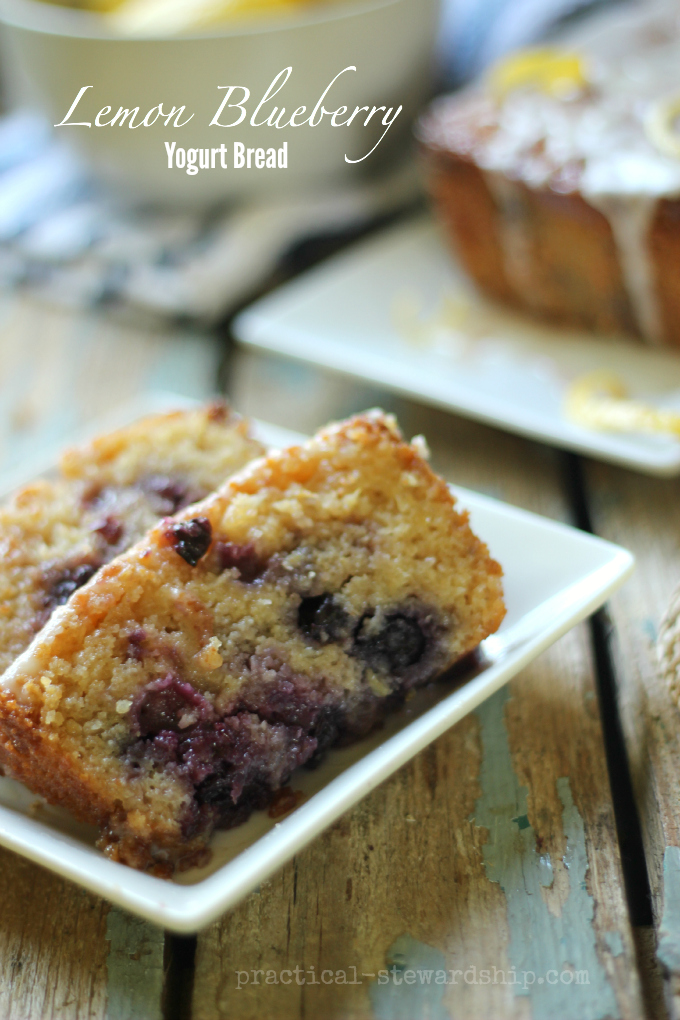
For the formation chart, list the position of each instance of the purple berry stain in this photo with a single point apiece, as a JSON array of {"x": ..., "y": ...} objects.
[
  {"x": 168, "y": 495},
  {"x": 61, "y": 582},
  {"x": 135, "y": 645},
  {"x": 110, "y": 529},
  {"x": 169, "y": 705},
  {"x": 243, "y": 557}
]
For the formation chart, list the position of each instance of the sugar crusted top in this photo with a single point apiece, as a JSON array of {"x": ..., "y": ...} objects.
[{"x": 596, "y": 139}]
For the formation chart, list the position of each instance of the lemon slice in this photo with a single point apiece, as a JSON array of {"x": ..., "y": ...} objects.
[
  {"x": 172, "y": 17},
  {"x": 662, "y": 124},
  {"x": 600, "y": 401},
  {"x": 556, "y": 72}
]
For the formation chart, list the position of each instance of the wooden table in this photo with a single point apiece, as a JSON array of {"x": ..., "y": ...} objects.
[{"x": 494, "y": 856}]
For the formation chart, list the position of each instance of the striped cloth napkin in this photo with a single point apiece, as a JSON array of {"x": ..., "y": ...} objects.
[{"x": 64, "y": 237}]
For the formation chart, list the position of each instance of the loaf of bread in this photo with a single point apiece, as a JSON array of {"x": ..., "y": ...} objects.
[{"x": 557, "y": 177}]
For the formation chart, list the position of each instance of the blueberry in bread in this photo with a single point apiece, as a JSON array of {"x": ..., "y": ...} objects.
[{"x": 241, "y": 638}]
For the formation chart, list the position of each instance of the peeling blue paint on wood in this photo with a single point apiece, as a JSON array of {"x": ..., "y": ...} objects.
[
  {"x": 669, "y": 931},
  {"x": 555, "y": 958},
  {"x": 614, "y": 942},
  {"x": 649, "y": 626},
  {"x": 546, "y": 875},
  {"x": 394, "y": 999},
  {"x": 134, "y": 965}
]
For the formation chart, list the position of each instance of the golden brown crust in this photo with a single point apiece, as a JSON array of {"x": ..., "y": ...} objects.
[
  {"x": 664, "y": 246},
  {"x": 200, "y": 442},
  {"x": 470, "y": 218},
  {"x": 28, "y": 757},
  {"x": 32, "y": 756},
  {"x": 569, "y": 273}
]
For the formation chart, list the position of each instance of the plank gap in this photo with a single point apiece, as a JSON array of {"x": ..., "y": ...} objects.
[
  {"x": 179, "y": 961},
  {"x": 628, "y": 825}
]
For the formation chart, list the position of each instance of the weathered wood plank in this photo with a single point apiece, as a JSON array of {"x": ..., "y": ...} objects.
[
  {"x": 52, "y": 946},
  {"x": 494, "y": 848},
  {"x": 60, "y": 370},
  {"x": 644, "y": 515},
  {"x": 135, "y": 975},
  {"x": 67, "y": 955}
]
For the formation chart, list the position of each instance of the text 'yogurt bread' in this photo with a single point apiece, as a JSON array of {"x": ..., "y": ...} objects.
[
  {"x": 558, "y": 175},
  {"x": 240, "y": 639},
  {"x": 55, "y": 534}
]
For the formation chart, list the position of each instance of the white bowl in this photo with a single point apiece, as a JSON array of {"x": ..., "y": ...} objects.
[{"x": 54, "y": 51}]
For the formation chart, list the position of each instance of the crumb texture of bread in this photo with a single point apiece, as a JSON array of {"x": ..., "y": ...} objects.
[
  {"x": 245, "y": 636},
  {"x": 564, "y": 200},
  {"x": 56, "y": 533}
]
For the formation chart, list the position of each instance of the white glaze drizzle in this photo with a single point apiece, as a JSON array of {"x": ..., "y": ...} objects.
[{"x": 630, "y": 219}]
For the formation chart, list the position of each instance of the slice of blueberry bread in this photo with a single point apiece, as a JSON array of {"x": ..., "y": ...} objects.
[
  {"x": 55, "y": 534},
  {"x": 183, "y": 684}
]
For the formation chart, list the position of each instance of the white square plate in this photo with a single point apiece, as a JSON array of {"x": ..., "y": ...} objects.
[
  {"x": 397, "y": 311},
  {"x": 554, "y": 577}
]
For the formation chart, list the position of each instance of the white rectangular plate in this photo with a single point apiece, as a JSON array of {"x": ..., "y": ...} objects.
[
  {"x": 397, "y": 311},
  {"x": 554, "y": 577}
]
